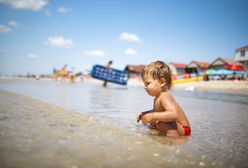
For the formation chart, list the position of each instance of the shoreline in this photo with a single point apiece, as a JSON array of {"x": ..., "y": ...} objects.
[
  {"x": 232, "y": 87},
  {"x": 216, "y": 86},
  {"x": 38, "y": 134},
  {"x": 228, "y": 86}
]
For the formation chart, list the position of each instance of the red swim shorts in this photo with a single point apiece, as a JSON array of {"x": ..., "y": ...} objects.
[{"x": 187, "y": 131}]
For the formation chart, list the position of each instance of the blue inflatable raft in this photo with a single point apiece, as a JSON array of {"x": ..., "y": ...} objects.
[{"x": 110, "y": 75}]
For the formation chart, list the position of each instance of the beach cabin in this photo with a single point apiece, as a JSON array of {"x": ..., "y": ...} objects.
[
  {"x": 241, "y": 56},
  {"x": 134, "y": 70},
  {"x": 223, "y": 63},
  {"x": 177, "y": 68},
  {"x": 196, "y": 67}
]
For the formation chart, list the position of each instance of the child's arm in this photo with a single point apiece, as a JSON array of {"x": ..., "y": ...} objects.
[
  {"x": 166, "y": 116},
  {"x": 170, "y": 114}
]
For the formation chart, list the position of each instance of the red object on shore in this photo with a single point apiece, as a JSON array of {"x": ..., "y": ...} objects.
[{"x": 235, "y": 67}]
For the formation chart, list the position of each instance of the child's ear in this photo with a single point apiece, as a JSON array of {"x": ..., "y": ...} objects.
[{"x": 162, "y": 82}]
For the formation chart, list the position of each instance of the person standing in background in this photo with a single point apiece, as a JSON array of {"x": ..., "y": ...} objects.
[{"x": 108, "y": 67}]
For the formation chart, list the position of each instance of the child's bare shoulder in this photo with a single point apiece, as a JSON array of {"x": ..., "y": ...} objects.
[{"x": 166, "y": 95}]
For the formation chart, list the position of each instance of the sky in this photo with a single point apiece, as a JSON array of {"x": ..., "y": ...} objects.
[{"x": 37, "y": 36}]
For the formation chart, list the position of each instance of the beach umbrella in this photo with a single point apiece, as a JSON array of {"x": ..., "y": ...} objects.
[
  {"x": 210, "y": 71},
  {"x": 235, "y": 67},
  {"x": 240, "y": 72},
  {"x": 223, "y": 72}
]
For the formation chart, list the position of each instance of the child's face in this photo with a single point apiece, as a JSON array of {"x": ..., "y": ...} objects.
[{"x": 152, "y": 86}]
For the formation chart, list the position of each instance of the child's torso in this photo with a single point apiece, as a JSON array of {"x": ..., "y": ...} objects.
[{"x": 182, "y": 119}]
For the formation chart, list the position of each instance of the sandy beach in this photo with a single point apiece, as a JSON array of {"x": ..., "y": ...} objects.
[
  {"x": 222, "y": 86},
  {"x": 239, "y": 87}
]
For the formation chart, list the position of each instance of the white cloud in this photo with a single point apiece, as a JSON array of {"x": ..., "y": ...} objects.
[
  {"x": 129, "y": 37},
  {"x": 59, "y": 41},
  {"x": 63, "y": 10},
  {"x": 34, "y": 5},
  {"x": 130, "y": 51},
  {"x": 32, "y": 56},
  {"x": 95, "y": 53},
  {"x": 9, "y": 27},
  {"x": 13, "y": 24},
  {"x": 4, "y": 29}
]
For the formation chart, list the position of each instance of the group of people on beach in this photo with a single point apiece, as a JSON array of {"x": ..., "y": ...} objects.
[
  {"x": 166, "y": 116},
  {"x": 64, "y": 74}
]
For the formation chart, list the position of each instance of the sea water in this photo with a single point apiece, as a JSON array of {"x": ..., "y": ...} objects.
[{"x": 219, "y": 121}]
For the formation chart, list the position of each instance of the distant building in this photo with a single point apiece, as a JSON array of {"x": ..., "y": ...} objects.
[
  {"x": 220, "y": 63},
  {"x": 241, "y": 55},
  {"x": 177, "y": 68},
  {"x": 196, "y": 67},
  {"x": 134, "y": 70}
]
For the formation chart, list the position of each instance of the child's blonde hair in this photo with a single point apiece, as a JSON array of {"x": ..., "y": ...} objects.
[{"x": 158, "y": 70}]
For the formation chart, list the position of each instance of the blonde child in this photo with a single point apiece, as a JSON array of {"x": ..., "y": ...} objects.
[{"x": 167, "y": 116}]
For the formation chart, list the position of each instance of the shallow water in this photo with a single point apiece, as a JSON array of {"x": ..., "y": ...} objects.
[{"x": 219, "y": 121}]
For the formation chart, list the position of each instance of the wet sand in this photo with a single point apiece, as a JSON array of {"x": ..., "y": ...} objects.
[{"x": 37, "y": 134}]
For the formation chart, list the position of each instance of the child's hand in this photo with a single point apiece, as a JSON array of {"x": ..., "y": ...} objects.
[
  {"x": 146, "y": 118},
  {"x": 142, "y": 114}
]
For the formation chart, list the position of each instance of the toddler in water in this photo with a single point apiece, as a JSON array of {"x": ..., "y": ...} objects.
[{"x": 167, "y": 116}]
